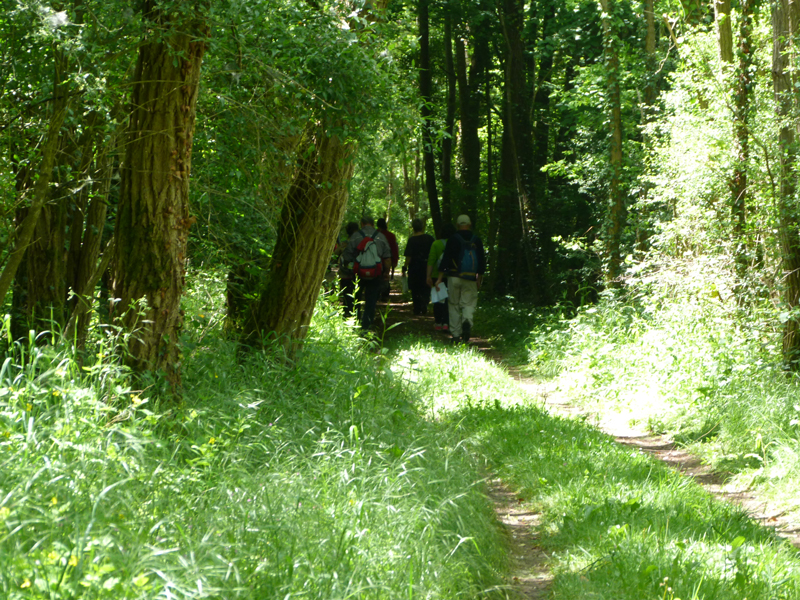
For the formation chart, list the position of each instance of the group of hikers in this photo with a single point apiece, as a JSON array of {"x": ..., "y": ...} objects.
[{"x": 447, "y": 271}]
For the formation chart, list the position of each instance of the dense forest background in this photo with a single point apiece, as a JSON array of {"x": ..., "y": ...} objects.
[{"x": 593, "y": 143}]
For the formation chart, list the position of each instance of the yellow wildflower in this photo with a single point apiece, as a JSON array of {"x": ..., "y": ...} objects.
[
  {"x": 212, "y": 441},
  {"x": 29, "y": 407},
  {"x": 26, "y": 584},
  {"x": 53, "y": 555},
  {"x": 4, "y": 512},
  {"x": 53, "y": 501},
  {"x": 73, "y": 561}
]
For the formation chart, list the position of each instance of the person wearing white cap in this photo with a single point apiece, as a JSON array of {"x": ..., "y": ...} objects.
[{"x": 463, "y": 263}]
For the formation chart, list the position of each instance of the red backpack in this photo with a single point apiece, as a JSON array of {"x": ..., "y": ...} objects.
[{"x": 368, "y": 263}]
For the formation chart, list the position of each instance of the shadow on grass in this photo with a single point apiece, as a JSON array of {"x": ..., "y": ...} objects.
[{"x": 619, "y": 524}]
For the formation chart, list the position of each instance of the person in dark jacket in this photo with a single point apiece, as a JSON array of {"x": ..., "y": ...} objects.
[
  {"x": 463, "y": 282},
  {"x": 417, "y": 250}
]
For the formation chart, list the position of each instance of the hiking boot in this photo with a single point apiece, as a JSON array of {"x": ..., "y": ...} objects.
[
  {"x": 466, "y": 329},
  {"x": 437, "y": 326},
  {"x": 445, "y": 327}
]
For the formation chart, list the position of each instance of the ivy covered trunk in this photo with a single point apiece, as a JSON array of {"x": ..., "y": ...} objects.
[
  {"x": 309, "y": 224},
  {"x": 153, "y": 217}
]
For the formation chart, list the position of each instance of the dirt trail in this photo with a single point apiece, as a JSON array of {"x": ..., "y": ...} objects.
[{"x": 530, "y": 578}]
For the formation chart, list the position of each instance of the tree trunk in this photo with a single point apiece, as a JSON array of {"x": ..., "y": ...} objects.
[
  {"x": 153, "y": 218},
  {"x": 540, "y": 184},
  {"x": 309, "y": 224},
  {"x": 785, "y": 20},
  {"x": 40, "y": 191},
  {"x": 449, "y": 124},
  {"x": 469, "y": 92},
  {"x": 425, "y": 92},
  {"x": 508, "y": 264},
  {"x": 742, "y": 95},
  {"x": 519, "y": 150},
  {"x": 722, "y": 15},
  {"x": 617, "y": 205}
]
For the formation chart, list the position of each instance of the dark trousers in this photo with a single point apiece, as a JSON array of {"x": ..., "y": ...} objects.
[
  {"x": 370, "y": 290},
  {"x": 441, "y": 313},
  {"x": 347, "y": 290},
  {"x": 420, "y": 296}
]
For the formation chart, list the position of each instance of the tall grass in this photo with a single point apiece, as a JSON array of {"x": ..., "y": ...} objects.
[{"x": 318, "y": 479}]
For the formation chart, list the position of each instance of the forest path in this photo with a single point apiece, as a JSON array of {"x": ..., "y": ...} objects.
[
  {"x": 530, "y": 577},
  {"x": 617, "y": 425}
]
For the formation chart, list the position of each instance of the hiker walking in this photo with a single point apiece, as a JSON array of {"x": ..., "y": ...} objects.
[
  {"x": 463, "y": 263},
  {"x": 416, "y": 253},
  {"x": 392, "y": 240},
  {"x": 441, "y": 315},
  {"x": 369, "y": 252}
]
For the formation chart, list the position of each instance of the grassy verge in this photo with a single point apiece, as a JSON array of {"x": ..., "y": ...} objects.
[
  {"x": 315, "y": 480},
  {"x": 615, "y": 523},
  {"x": 703, "y": 371}
]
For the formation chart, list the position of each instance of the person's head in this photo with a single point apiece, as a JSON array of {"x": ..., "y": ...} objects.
[
  {"x": 448, "y": 230},
  {"x": 382, "y": 223},
  {"x": 351, "y": 228},
  {"x": 367, "y": 220},
  {"x": 418, "y": 225},
  {"x": 463, "y": 222}
]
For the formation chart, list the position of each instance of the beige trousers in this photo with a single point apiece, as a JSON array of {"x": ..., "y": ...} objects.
[{"x": 463, "y": 299}]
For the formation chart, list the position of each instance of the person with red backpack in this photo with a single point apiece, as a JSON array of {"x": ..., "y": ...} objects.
[
  {"x": 463, "y": 263},
  {"x": 371, "y": 256}
]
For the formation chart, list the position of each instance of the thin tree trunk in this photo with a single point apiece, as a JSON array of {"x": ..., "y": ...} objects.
[
  {"x": 617, "y": 205},
  {"x": 785, "y": 21},
  {"x": 742, "y": 94},
  {"x": 153, "y": 219},
  {"x": 449, "y": 124},
  {"x": 518, "y": 147},
  {"x": 74, "y": 326},
  {"x": 469, "y": 91},
  {"x": 426, "y": 92},
  {"x": 540, "y": 183}
]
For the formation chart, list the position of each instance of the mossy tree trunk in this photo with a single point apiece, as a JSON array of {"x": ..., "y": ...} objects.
[
  {"x": 309, "y": 224},
  {"x": 153, "y": 218}
]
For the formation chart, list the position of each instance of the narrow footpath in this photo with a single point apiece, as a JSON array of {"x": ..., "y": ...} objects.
[{"x": 530, "y": 577}]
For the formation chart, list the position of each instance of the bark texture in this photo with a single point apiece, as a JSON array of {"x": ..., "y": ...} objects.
[
  {"x": 309, "y": 224},
  {"x": 722, "y": 15},
  {"x": 153, "y": 218}
]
